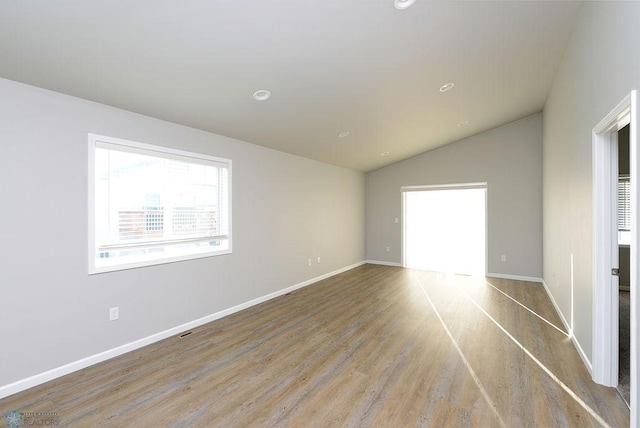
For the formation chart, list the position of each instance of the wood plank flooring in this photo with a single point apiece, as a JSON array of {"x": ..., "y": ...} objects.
[{"x": 374, "y": 346}]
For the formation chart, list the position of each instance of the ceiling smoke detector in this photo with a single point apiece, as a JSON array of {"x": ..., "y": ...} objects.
[
  {"x": 403, "y": 4},
  {"x": 261, "y": 95}
]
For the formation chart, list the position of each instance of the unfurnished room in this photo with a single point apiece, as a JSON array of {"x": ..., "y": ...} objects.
[{"x": 350, "y": 213}]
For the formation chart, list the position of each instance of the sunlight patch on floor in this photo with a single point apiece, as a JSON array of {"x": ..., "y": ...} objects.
[
  {"x": 473, "y": 374},
  {"x": 530, "y": 310},
  {"x": 539, "y": 363}
]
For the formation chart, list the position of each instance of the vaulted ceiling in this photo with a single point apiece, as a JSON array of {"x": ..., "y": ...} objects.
[{"x": 332, "y": 66}]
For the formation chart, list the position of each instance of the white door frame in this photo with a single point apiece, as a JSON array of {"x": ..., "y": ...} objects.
[
  {"x": 605, "y": 237},
  {"x": 605, "y": 290}
]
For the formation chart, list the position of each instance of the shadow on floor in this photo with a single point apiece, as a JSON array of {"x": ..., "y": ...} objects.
[{"x": 624, "y": 360}]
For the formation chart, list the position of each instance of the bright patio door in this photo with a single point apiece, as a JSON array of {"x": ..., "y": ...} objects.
[{"x": 445, "y": 228}]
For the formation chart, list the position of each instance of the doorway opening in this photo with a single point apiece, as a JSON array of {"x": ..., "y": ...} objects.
[
  {"x": 614, "y": 236},
  {"x": 444, "y": 228},
  {"x": 624, "y": 263}
]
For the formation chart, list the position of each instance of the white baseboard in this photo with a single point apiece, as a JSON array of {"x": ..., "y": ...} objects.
[
  {"x": 567, "y": 326},
  {"x": 378, "y": 262},
  {"x": 514, "y": 277},
  {"x": 57, "y": 372}
]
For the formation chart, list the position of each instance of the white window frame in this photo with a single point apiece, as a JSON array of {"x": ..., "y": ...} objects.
[{"x": 96, "y": 141}]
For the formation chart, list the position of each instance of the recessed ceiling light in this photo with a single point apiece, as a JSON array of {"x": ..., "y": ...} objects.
[
  {"x": 344, "y": 134},
  {"x": 463, "y": 123},
  {"x": 403, "y": 4},
  {"x": 446, "y": 87},
  {"x": 261, "y": 95},
  {"x": 384, "y": 154}
]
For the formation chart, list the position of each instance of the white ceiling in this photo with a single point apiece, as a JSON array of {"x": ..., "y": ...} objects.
[{"x": 332, "y": 66}]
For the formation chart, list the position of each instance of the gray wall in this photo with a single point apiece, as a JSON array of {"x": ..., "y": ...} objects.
[
  {"x": 286, "y": 209},
  {"x": 508, "y": 158},
  {"x": 600, "y": 67},
  {"x": 623, "y": 151}
]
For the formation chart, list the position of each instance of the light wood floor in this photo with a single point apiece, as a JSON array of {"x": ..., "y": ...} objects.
[{"x": 375, "y": 346}]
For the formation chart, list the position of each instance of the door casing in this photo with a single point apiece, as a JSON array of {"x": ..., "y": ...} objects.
[{"x": 605, "y": 246}]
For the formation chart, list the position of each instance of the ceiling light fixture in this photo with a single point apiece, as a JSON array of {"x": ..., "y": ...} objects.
[
  {"x": 261, "y": 95},
  {"x": 403, "y": 4},
  {"x": 344, "y": 134},
  {"x": 446, "y": 87},
  {"x": 463, "y": 123},
  {"x": 384, "y": 154}
]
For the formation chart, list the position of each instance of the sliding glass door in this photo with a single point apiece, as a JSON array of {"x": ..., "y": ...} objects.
[{"x": 445, "y": 229}]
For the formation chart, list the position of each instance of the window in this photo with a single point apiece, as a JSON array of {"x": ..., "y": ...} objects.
[
  {"x": 624, "y": 203},
  {"x": 150, "y": 205},
  {"x": 624, "y": 210}
]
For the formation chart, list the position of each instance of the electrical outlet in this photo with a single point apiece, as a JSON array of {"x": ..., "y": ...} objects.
[
  {"x": 388, "y": 249},
  {"x": 318, "y": 259},
  {"x": 114, "y": 313},
  {"x": 397, "y": 220},
  {"x": 503, "y": 258},
  {"x": 309, "y": 262}
]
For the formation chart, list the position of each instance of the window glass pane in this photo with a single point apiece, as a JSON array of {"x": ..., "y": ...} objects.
[{"x": 151, "y": 209}]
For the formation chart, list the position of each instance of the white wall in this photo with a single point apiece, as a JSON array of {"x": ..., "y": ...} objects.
[
  {"x": 601, "y": 65},
  {"x": 508, "y": 158},
  {"x": 286, "y": 209}
]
